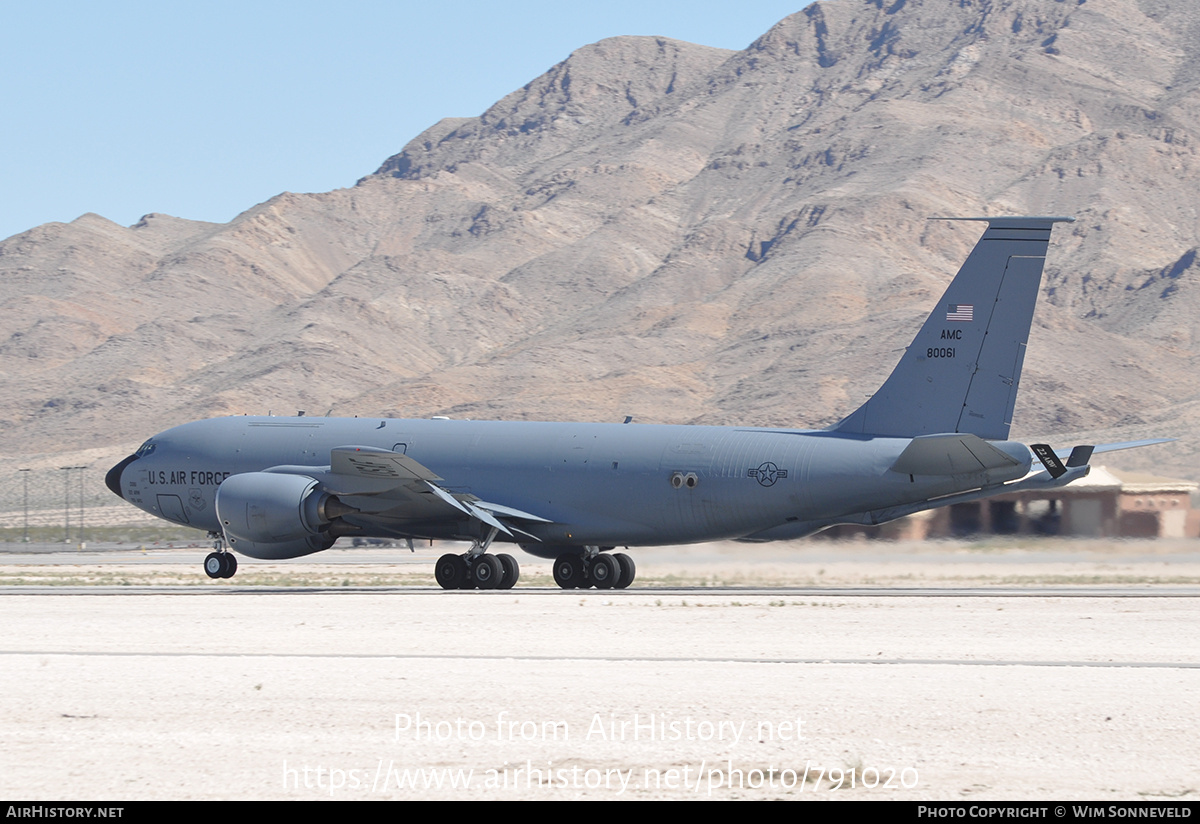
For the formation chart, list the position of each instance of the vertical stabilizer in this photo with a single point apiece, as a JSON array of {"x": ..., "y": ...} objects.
[{"x": 960, "y": 373}]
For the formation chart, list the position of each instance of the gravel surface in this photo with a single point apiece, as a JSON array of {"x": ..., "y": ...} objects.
[{"x": 403, "y": 693}]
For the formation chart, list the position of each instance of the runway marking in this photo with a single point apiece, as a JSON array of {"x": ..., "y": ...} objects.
[
  {"x": 803, "y": 592},
  {"x": 923, "y": 662}
]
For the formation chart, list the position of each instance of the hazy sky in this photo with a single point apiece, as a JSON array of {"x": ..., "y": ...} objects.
[{"x": 202, "y": 109}]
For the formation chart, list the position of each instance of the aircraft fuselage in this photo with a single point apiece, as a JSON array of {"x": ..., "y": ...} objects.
[{"x": 595, "y": 484}]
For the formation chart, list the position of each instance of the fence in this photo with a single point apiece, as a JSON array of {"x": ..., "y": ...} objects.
[{"x": 64, "y": 503}]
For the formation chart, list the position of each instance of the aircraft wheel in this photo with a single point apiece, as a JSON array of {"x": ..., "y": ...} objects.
[
  {"x": 512, "y": 571},
  {"x": 487, "y": 572},
  {"x": 605, "y": 571},
  {"x": 230, "y": 563},
  {"x": 568, "y": 571},
  {"x": 628, "y": 570},
  {"x": 213, "y": 565},
  {"x": 451, "y": 572}
]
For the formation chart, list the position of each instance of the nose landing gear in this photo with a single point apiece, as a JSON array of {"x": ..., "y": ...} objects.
[{"x": 221, "y": 563}]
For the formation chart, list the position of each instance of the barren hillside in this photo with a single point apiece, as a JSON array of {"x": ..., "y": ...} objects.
[{"x": 674, "y": 232}]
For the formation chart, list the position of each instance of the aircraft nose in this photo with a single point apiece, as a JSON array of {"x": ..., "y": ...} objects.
[{"x": 113, "y": 479}]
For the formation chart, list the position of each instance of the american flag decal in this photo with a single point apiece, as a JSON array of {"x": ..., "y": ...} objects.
[{"x": 961, "y": 312}]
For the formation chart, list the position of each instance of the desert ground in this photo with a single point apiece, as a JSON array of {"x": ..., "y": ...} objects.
[{"x": 819, "y": 670}]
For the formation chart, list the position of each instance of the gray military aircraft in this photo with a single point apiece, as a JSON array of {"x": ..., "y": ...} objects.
[{"x": 936, "y": 433}]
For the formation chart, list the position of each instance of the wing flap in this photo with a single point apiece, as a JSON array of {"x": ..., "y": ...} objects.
[
  {"x": 486, "y": 517},
  {"x": 510, "y": 512}
]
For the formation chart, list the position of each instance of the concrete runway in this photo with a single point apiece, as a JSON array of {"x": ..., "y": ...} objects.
[{"x": 780, "y": 690}]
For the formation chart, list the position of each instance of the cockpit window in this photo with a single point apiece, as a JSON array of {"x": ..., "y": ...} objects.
[{"x": 145, "y": 449}]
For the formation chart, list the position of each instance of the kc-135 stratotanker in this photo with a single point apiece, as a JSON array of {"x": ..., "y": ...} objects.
[{"x": 936, "y": 433}]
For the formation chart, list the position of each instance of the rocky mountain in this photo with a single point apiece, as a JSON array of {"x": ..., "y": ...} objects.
[{"x": 674, "y": 232}]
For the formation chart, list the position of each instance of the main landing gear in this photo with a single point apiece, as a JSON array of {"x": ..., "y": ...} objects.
[
  {"x": 221, "y": 563},
  {"x": 573, "y": 570},
  {"x": 478, "y": 569}
]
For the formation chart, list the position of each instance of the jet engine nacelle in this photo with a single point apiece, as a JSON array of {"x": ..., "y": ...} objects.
[{"x": 270, "y": 515}]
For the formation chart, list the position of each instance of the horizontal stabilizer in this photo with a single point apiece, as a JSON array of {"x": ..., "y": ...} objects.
[
  {"x": 1076, "y": 456},
  {"x": 952, "y": 454}
]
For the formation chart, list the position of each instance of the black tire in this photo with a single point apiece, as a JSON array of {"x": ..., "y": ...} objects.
[
  {"x": 568, "y": 571},
  {"x": 213, "y": 565},
  {"x": 605, "y": 572},
  {"x": 512, "y": 571},
  {"x": 487, "y": 572},
  {"x": 628, "y": 570},
  {"x": 230, "y": 564},
  {"x": 451, "y": 572}
]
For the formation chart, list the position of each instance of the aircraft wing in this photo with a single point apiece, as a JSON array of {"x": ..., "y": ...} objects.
[
  {"x": 380, "y": 482},
  {"x": 368, "y": 462}
]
